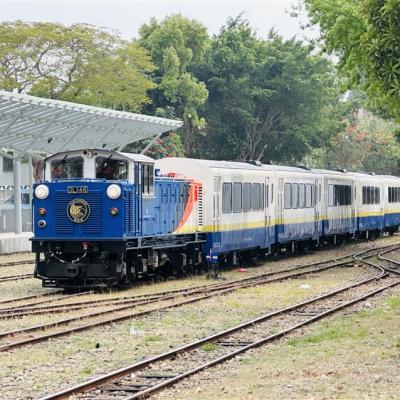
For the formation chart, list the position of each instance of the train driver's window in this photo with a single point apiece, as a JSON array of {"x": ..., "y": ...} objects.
[
  {"x": 67, "y": 168},
  {"x": 111, "y": 169}
]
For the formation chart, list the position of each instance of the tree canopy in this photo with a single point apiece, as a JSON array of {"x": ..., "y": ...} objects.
[
  {"x": 78, "y": 63},
  {"x": 175, "y": 45},
  {"x": 365, "y": 35},
  {"x": 267, "y": 98}
]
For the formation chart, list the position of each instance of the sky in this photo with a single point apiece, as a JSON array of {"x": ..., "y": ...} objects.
[{"x": 126, "y": 16}]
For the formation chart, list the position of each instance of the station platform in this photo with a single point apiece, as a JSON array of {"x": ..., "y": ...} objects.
[{"x": 14, "y": 243}]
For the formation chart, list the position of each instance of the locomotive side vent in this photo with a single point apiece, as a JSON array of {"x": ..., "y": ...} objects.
[{"x": 200, "y": 208}]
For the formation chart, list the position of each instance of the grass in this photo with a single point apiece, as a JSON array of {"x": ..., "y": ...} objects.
[
  {"x": 209, "y": 347},
  {"x": 355, "y": 356}
]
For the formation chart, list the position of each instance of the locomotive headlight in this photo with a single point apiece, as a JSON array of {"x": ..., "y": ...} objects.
[
  {"x": 41, "y": 192},
  {"x": 113, "y": 191}
]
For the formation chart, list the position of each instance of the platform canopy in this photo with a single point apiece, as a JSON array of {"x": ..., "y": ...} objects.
[
  {"x": 38, "y": 127},
  {"x": 32, "y": 125}
]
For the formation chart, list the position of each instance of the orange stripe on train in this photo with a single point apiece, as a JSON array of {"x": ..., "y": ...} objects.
[{"x": 193, "y": 198}]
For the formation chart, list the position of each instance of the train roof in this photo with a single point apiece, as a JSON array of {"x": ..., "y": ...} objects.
[
  {"x": 240, "y": 165},
  {"x": 131, "y": 156}
]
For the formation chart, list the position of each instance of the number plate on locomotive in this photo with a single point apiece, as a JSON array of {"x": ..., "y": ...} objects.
[{"x": 77, "y": 189}]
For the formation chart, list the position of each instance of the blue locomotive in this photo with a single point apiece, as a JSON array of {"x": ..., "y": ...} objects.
[{"x": 102, "y": 218}]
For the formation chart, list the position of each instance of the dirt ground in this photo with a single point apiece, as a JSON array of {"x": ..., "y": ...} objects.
[
  {"x": 324, "y": 364},
  {"x": 354, "y": 356}
]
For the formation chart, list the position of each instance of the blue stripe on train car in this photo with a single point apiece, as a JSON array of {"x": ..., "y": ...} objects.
[
  {"x": 370, "y": 222},
  {"x": 392, "y": 219},
  {"x": 301, "y": 231}
]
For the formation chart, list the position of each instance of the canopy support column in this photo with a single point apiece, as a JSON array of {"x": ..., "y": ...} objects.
[
  {"x": 30, "y": 188},
  {"x": 17, "y": 196}
]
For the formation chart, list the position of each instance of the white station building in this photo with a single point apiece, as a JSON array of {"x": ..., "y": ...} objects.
[{"x": 32, "y": 128}]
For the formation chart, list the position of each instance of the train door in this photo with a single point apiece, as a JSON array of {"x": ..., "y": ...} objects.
[
  {"x": 317, "y": 202},
  {"x": 381, "y": 207},
  {"x": 279, "y": 227},
  {"x": 353, "y": 200},
  {"x": 217, "y": 212},
  {"x": 267, "y": 213}
]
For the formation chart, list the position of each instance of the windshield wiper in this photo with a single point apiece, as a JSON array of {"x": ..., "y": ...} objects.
[
  {"x": 61, "y": 161},
  {"x": 103, "y": 162}
]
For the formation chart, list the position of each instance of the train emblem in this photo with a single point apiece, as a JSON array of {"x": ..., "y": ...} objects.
[{"x": 78, "y": 210}]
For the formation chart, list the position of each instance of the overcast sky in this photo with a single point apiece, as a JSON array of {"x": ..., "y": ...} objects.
[{"x": 126, "y": 16}]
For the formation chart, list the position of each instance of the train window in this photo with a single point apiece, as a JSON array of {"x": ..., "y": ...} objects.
[
  {"x": 295, "y": 195},
  {"x": 302, "y": 195},
  {"x": 111, "y": 169},
  {"x": 339, "y": 195},
  {"x": 308, "y": 196},
  {"x": 148, "y": 179},
  {"x": 272, "y": 193},
  {"x": 288, "y": 195},
  {"x": 256, "y": 196},
  {"x": 330, "y": 196},
  {"x": 371, "y": 195},
  {"x": 246, "y": 197},
  {"x": 377, "y": 195},
  {"x": 227, "y": 198},
  {"x": 67, "y": 168},
  {"x": 237, "y": 197}
]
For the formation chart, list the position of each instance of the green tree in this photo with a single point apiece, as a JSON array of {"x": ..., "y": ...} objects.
[
  {"x": 78, "y": 63},
  {"x": 368, "y": 144},
  {"x": 175, "y": 45},
  {"x": 268, "y": 99},
  {"x": 365, "y": 35}
]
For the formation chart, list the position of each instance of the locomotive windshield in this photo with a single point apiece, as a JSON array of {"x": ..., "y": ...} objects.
[
  {"x": 67, "y": 168},
  {"x": 111, "y": 169}
]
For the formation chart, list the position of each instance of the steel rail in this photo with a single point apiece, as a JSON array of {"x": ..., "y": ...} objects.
[
  {"x": 15, "y": 277},
  {"x": 33, "y": 296},
  {"x": 102, "y": 301},
  {"x": 132, "y": 300},
  {"x": 14, "y": 263},
  {"x": 97, "y": 382},
  {"x": 32, "y": 340},
  {"x": 38, "y": 339},
  {"x": 146, "y": 312},
  {"x": 38, "y": 296}
]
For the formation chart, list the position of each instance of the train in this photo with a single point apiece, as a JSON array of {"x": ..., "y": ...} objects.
[{"x": 103, "y": 218}]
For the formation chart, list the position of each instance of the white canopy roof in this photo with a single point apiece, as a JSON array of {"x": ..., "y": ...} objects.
[{"x": 30, "y": 125}]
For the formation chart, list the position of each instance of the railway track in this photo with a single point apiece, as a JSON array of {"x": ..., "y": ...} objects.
[
  {"x": 15, "y": 277},
  {"x": 33, "y": 308},
  {"x": 29, "y": 309},
  {"x": 16, "y": 263},
  {"x": 152, "y": 375},
  {"x": 189, "y": 296}
]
